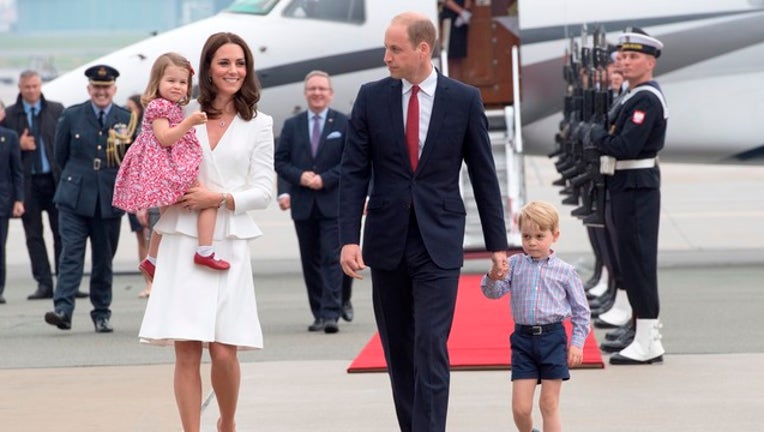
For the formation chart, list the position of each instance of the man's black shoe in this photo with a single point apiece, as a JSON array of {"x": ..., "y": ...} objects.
[
  {"x": 2, "y": 299},
  {"x": 42, "y": 292},
  {"x": 330, "y": 325},
  {"x": 317, "y": 325},
  {"x": 58, "y": 319},
  {"x": 102, "y": 325},
  {"x": 81, "y": 294},
  {"x": 347, "y": 311}
]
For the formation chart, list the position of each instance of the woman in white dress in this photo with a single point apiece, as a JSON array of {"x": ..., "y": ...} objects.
[{"x": 192, "y": 307}]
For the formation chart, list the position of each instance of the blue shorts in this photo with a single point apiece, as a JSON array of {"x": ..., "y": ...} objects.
[{"x": 542, "y": 356}]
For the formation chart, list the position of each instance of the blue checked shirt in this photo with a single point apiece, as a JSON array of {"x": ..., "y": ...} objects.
[{"x": 543, "y": 292}]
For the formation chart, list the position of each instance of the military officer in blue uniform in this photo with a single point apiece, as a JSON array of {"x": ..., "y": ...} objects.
[
  {"x": 86, "y": 138},
  {"x": 633, "y": 180}
]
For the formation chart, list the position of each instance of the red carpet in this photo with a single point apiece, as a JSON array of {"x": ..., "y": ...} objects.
[{"x": 479, "y": 336}]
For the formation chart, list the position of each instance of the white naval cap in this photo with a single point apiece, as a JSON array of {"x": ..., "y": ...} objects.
[{"x": 635, "y": 39}]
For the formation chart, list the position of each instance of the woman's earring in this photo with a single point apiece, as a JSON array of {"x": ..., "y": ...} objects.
[{"x": 209, "y": 79}]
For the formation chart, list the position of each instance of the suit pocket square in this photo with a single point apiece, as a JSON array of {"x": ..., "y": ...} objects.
[{"x": 335, "y": 134}]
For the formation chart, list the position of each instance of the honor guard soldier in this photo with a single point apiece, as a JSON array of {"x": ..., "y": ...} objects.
[
  {"x": 89, "y": 140},
  {"x": 630, "y": 162}
]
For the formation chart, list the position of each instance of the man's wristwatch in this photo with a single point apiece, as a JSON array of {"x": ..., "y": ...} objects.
[{"x": 223, "y": 201}]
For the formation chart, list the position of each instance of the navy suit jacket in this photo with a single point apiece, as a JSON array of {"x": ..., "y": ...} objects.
[
  {"x": 376, "y": 146},
  {"x": 11, "y": 175},
  {"x": 293, "y": 157},
  {"x": 80, "y": 151},
  {"x": 16, "y": 119}
]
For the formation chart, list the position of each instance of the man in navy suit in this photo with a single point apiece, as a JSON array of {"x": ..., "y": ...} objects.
[
  {"x": 415, "y": 216},
  {"x": 84, "y": 150},
  {"x": 11, "y": 191},
  {"x": 34, "y": 119},
  {"x": 308, "y": 158}
]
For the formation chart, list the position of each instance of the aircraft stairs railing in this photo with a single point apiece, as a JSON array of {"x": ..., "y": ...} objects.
[{"x": 508, "y": 159}]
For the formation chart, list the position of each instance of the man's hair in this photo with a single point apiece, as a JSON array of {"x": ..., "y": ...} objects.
[
  {"x": 320, "y": 73},
  {"x": 28, "y": 74},
  {"x": 541, "y": 213},
  {"x": 419, "y": 27}
]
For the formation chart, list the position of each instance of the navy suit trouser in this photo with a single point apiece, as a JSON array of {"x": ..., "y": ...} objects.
[
  {"x": 414, "y": 308},
  {"x": 40, "y": 198},
  {"x": 104, "y": 238},
  {"x": 3, "y": 240},
  {"x": 319, "y": 241}
]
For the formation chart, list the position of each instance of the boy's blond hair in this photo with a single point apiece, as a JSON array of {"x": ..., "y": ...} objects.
[{"x": 541, "y": 213}]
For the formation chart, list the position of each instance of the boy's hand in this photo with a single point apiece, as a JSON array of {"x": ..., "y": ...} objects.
[
  {"x": 575, "y": 356},
  {"x": 500, "y": 266}
]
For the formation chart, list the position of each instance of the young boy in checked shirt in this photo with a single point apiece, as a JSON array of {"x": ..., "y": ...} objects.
[{"x": 545, "y": 290}]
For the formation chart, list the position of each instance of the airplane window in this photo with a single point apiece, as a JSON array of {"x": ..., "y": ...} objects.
[
  {"x": 254, "y": 7},
  {"x": 345, "y": 11}
]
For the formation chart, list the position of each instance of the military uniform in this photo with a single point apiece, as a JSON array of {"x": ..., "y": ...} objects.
[
  {"x": 83, "y": 198},
  {"x": 634, "y": 140}
]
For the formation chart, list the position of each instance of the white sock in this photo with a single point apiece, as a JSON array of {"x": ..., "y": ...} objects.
[
  {"x": 151, "y": 259},
  {"x": 205, "y": 251}
]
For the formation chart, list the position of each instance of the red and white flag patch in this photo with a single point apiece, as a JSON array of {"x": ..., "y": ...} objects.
[{"x": 638, "y": 117}]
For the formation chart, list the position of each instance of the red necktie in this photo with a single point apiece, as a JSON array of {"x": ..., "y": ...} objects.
[{"x": 412, "y": 128}]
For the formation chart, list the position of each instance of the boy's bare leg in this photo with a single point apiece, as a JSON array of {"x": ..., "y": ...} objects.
[
  {"x": 522, "y": 403},
  {"x": 549, "y": 404}
]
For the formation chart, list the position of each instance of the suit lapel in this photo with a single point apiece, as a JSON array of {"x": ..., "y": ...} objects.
[
  {"x": 394, "y": 99},
  {"x": 328, "y": 128},
  {"x": 436, "y": 119},
  {"x": 303, "y": 131}
]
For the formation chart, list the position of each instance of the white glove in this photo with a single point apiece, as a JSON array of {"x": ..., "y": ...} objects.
[{"x": 463, "y": 18}]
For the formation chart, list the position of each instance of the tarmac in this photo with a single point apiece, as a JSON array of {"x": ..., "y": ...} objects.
[{"x": 711, "y": 265}]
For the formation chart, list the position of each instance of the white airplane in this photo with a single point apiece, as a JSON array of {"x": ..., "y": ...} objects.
[
  {"x": 289, "y": 38},
  {"x": 711, "y": 70}
]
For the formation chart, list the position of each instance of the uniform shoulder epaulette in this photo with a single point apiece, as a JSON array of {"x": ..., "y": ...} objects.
[
  {"x": 121, "y": 108},
  {"x": 75, "y": 106}
]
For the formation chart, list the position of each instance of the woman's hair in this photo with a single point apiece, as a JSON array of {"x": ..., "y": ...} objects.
[
  {"x": 157, "y": 71},
  {"x": 542, "y": 214},
  {"x": 136, "y": 99},
  {"x": 245, "y": 100}
]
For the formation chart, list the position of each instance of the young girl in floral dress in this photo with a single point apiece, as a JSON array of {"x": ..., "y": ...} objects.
[{"x": 163, "y": 162}]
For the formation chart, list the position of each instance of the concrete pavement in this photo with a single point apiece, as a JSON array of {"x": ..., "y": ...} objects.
[{"x": 711, "y": 267}]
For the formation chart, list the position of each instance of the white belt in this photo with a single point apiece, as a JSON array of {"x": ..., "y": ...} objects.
[{"x": 636, "y": 163}]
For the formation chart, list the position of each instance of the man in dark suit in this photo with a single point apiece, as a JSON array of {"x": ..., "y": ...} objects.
[
  {"x": 84, "y": 145},
  {"x": 308, "y": 159},
  {"x": 34, "y": 119},
  {"x": 11, "y": 192},
  {"x": 415, "y": 216}
]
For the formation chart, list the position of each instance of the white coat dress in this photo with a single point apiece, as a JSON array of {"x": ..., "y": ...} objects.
[{"x": 189, "y": 302}]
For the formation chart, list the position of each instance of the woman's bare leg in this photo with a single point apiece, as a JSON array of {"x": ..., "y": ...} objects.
[
  {"x": 226, "y": 379},
  {"x": 188, "y": 384}
]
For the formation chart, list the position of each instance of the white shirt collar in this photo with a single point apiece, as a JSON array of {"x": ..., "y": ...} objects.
[{"x": 427, "y": 86}]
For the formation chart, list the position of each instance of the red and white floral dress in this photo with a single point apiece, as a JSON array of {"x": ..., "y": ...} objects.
[{"x": 151, "y": 175}]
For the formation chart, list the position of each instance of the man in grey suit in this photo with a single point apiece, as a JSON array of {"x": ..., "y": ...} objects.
[
  {"x": 415, "y": 216},
  {"x": 84, "y": 149},
  {"x": 308, "y": 159}
]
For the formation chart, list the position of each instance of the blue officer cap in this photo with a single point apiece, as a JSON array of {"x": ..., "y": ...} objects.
[{"x": 101, "y": 74}]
